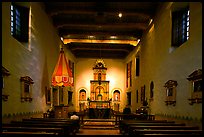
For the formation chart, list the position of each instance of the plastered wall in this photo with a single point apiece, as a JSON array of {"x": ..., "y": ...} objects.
[
  {"x": 37, "y": 61},
  {"x": 159, "y": 63}
]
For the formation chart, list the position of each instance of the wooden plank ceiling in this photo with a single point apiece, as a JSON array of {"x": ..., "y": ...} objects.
[{"x": 94, "y": 29}]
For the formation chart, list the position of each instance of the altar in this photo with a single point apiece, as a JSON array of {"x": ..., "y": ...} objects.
[
  {"x": 99, "y": 104},
  {"x": 99, "y": 113},
  {"x": 99, "y": 101},
  {"x": 99, "y": 109}
]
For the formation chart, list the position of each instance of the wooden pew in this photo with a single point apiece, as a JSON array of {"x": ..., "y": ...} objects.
[
  {"x": 155, "y": 124},
  {"x": 132, "y": 126},
  {"x": 156, "y": 131},
  {"x": 133, "y": 116},
  {"x": 123, "y": 124},
  {"x": 147, "y": 121},
  {"x": 26, "y": 134},
  {"x": 164, "y": 127},
  {"x": 32, "y": 130},
  {"x": 170, "y": 135},
  {"x": 67, "y": 128},
  {"x": 132, "y": 129},
  {"x": 75, "y": 123},
  {"x": 49, "y": 119}
]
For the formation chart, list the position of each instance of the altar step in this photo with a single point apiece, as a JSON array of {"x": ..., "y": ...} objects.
[
  {"x": 101, "y": 124},
  {"x": 99, "y": 127},
  {"x": 99, "y": 120}
]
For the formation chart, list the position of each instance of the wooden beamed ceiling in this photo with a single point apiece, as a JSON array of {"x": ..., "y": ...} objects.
[{"x": 80, "y": 20}]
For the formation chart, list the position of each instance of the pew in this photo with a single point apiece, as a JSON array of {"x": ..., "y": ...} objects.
[
  {"x": 19, "y": 127},
  {"x": 67, "y": 128},
  {"x": 25, "y": 133},
  {"x": 156, "y": 131},
  {"x": 151, "y": 127},
  {"x": 146, "y": 121},
  {"x": 132, "y": 129},
  {"x": 123, "y": 124},
  {"x": 75, "y": 123},
  {"x": 32, "y": 130},
  {"x": 129, "y": 127},
  {"x": 133, "y": 116},
  {"x": 169, "y": 135},
  {"x": 47, "y": 119}
]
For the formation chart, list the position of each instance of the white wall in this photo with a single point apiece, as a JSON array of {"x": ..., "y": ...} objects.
[
  {"x": 37, "y": 63},
  {"x": 159, "y": 65}
]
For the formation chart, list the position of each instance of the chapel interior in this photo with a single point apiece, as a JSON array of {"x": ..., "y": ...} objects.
[{"x": 98, "y": 59}]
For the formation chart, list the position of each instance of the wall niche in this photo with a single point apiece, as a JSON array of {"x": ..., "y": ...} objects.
[
  {"x": 171, "y": 92},
  {"x": 195, "y": 86},
  {"x": 5, "y": 73},
  {"x": 26, "y": 84}
]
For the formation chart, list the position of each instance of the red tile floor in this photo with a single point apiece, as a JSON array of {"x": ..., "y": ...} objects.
[{"x": 95, "y": 127}]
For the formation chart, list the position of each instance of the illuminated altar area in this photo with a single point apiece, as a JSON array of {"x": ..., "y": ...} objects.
[{"x": 99, "y": 103}]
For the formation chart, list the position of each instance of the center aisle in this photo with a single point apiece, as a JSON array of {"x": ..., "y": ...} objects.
[
  {"x": 98, "y": 132},
  {"x": 99, "y": 127}
]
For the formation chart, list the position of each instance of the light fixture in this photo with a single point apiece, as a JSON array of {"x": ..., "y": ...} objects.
[
  {"x": 120, "y": 15},
  {"x": 113, "y": 37},
  {"x": 150, "y": 21},
  {"x": 91, "y": 37}
]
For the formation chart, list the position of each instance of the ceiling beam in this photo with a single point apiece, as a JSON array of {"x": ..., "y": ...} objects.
[
  {"x": 141, "y": 26},
  {"x": 129, "y": 34},
  {"x": 130, "y": 42}
]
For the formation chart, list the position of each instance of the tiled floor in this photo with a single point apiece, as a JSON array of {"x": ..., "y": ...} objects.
[
  {"x": 98, "y": 132},
  {"x": 98, "y": 127},
  {"x": 100, "y": 123}
]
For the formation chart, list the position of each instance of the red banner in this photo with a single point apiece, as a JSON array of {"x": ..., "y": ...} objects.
[{"x": 62, "y": 75}]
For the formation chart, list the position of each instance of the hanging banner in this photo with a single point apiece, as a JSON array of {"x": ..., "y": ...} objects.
[{"x": 62, "y": 75}]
